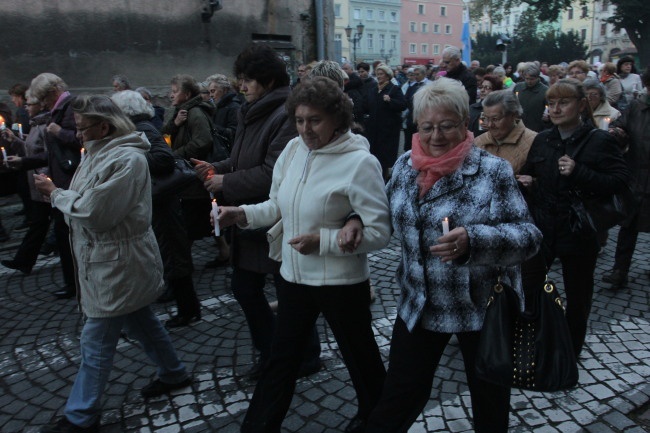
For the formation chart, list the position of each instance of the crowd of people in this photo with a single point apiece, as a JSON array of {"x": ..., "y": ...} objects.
[{"x": 309, "y": 179}]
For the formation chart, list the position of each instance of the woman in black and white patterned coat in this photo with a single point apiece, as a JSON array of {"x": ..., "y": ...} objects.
[{"x": 445, "y": 183}]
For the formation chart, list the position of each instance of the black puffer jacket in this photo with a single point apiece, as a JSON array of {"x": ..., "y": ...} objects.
[
  {"x": 225, "y": 119},
  {"x": 599, "y": 168}
]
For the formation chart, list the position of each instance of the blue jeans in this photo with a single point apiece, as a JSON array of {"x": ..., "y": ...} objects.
[{"x": 99, "y": 339}]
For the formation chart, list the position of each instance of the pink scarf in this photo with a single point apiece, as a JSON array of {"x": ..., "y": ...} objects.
[{"x": 431, "y": 168}]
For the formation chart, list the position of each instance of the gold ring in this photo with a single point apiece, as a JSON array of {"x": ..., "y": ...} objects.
[
  {"x": 454, "y": 251},
  {"x": 340, "y": 241}
]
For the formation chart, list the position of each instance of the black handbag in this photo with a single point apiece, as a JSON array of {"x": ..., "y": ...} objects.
[
  {"x": 173, "y": 183},
  {"x": 531, "y": 350}
]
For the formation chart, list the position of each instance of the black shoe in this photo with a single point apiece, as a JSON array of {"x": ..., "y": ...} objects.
[
  {"x": 20, "y": 212},
  {"x": 22, "y": 227},
  {"x": 65, "y": 426},
  {"x": 357, "y": 425},
  {"x": 66, "y": 292},
  {"x": 217, "y": 263},
  {"x": 178, "y": 320},
  {"x": 167, "y": 296},
  {"x": 617, "y": 278},
  {"x": 158, "y": 388},
  {"x": 11, "y": 264},
  {"x": 309, "y": 368}
]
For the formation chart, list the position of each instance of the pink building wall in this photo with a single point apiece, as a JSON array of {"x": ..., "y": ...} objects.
[{"x": 443, "y": 25}]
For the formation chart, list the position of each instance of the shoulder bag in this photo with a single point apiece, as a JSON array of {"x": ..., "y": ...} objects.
[
  {"x": 174, "y": 182},
  {"x": 530, "y": 350}
]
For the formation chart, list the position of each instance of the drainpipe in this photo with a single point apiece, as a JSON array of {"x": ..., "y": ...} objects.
[{"x": 320, "y": 33}]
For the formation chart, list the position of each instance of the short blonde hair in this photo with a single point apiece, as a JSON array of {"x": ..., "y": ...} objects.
[
  {"x": 442, "y": 93},
  {"x": 384, "y": 67},
  {"x": 44, "y": 83}
]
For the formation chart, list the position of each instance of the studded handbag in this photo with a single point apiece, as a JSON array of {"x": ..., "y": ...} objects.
[{"x": 530, "y": 350}]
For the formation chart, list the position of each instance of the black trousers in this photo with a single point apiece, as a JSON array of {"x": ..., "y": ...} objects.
[
  {"x": 62, "y": 233},
  {"x": 625, "y": 246},
  {"x": 346, "y": 309},
  {"x": 414, "y": 358},
  {"x": 39, "y": 225},
  {"x": 248, "y": 288}
]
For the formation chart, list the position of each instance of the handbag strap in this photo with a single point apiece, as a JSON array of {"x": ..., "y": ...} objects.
[{"x": 583, "y": 142}]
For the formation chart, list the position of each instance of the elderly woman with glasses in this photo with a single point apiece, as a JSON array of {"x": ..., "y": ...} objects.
[
  {"x": 507, "y": 136},
  {"x": 602, "y": 111},
  {"x": 119, "y": 270},
  {"x": 490, "y": 84},
  {"x": 462, "y": 223}
]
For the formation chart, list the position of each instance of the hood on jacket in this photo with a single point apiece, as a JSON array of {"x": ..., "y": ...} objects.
[
  {"x": 197, "y": 101},
  {"x": 347, "y": 142},
  {"x": 134, "y": 139}
]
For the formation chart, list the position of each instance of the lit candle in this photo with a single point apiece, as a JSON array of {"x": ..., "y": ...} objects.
[
  {"x": 4, "y": 155},
  {"x": 2, "y": 124},
  {"x": 215, "y": 215},
  {"x": 83, "y": 155},
  {"x": 168, "y": 139},
  {"x": 517, "y": 95},
  {"x": 546, "y": 110},
  {"x": 445, "y": 225},
  {"x": 20, "y": 131},
  {"x": 604, "y": 124}
]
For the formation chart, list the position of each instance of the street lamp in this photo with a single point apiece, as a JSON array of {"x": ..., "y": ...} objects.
[
  {"x": 387, "y": 56},
  {"x": 354, "y": 39}
]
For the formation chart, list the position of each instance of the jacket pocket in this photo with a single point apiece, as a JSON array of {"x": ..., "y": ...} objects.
[{"x": 103, "y": 253}]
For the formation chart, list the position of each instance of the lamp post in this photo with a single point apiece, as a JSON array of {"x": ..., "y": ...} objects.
[
  {"x": 354, "y": 39},
  {"x": 386, "y": 56}
]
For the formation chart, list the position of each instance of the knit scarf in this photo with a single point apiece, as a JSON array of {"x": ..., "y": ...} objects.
[{"x": 431, "y": 168}]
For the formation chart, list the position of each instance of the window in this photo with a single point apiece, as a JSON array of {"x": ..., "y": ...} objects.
[
  {"x": 337, "y": 37},
  {"x": 393, "y": 17},
  {"x": 448, "y": 29},
  {"x": 412, "y": 49},
  {"x": 371, "y": 43},
  {"x": 370, "y": 14},
  {"x": 585, "y": 12},
  {"x": 436, "y": 28},
  {"x": 382, "y": 15},
  {"x": 425, "y": 27},
  {"x": 570, "y": 13},
  {"x": 424, "y": 49},
  {"x": 393, "y": 42},
  {"x": 382, "y": 42},
  {"x": 603, "y": 29},
  {"x": 356, "y": 14},
  {"x": 443, "y": 11},
  {"x": 420, "y": 9},
  {"x": 583, "y": 34},
  {"x": 436, "y": 49},
  {"x": 337, "y": 10},
  {"x": 412, "y": 26}
]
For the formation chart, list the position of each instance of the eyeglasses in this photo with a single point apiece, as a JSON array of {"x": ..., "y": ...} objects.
[
  {"x": 444, "y": 128},
  {"x": 487, "y": 120},
  {"x": 84, "y": 129}
]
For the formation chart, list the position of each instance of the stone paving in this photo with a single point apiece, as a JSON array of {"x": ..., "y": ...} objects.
[{"x": 39, "y": 355}]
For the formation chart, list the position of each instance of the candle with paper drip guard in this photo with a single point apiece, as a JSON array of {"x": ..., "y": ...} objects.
[
  {"x": 215, "y": 215},
  {"x": 4, "y": 156},
  {"x": 83, "y": 155},
  {"x": 604, "y": 123}
]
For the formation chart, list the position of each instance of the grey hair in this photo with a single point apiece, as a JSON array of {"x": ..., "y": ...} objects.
[
  {"x": 46, "y": 82},
  {"x": 122, "y": 82},
  {"x": 506, "y": 99},
  {"x": 220, "y": 80},
  {"x": 499, "y": 71},
  {"x": 452, "y": 51},
  {"x": 132, "y": 103},
  {"x": 420, "y": 68},
  {"x": 144, "y": 91},
  {"x": 532, "y": 69},
  {"x": 442, "y": 93},
  {"x": 592, "y": 83},
  {"x": 102, "y": 108},
  {"x": 329, "y": 69}
]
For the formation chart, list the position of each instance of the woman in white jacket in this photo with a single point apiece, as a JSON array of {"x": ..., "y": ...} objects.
[{"x": 322, "y": 178}]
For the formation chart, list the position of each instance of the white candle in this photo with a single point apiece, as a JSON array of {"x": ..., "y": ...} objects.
[
  {"x": 445, "y": 225},
  {"x": 20, "y": 131},
  {"x": 604, "y": 124},
  {"x": 4, "y": 155},
  {"x": 546, "y": 110},
  {"x": 215, "y": 215},
  {"x": 83, "y": 155}
]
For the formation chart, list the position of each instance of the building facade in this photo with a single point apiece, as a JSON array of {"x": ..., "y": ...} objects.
[
  {"x": 380, "y": 36},
  {"x": 428, "y": 26}
]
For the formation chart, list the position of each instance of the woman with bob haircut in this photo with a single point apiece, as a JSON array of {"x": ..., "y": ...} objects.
[
  {"x": 552, "y": 173},
  {"x": 446, "y": 278},
  {"x": 322, "y": 178},
  {"x": 119, "y": 270}
]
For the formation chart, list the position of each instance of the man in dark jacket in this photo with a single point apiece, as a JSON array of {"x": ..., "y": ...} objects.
[
  {"x": 451, "y": 59},
  {"x": 62, "y": 158},
  {"x": 369, "y": 85},
  {"x": 532, "y": 97},
  {"x": 420, "y": 74},
  {"x": 633, "y": 128}
]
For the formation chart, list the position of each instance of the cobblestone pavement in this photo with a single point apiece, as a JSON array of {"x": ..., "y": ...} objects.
[{"x": 39, "y": 355}]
